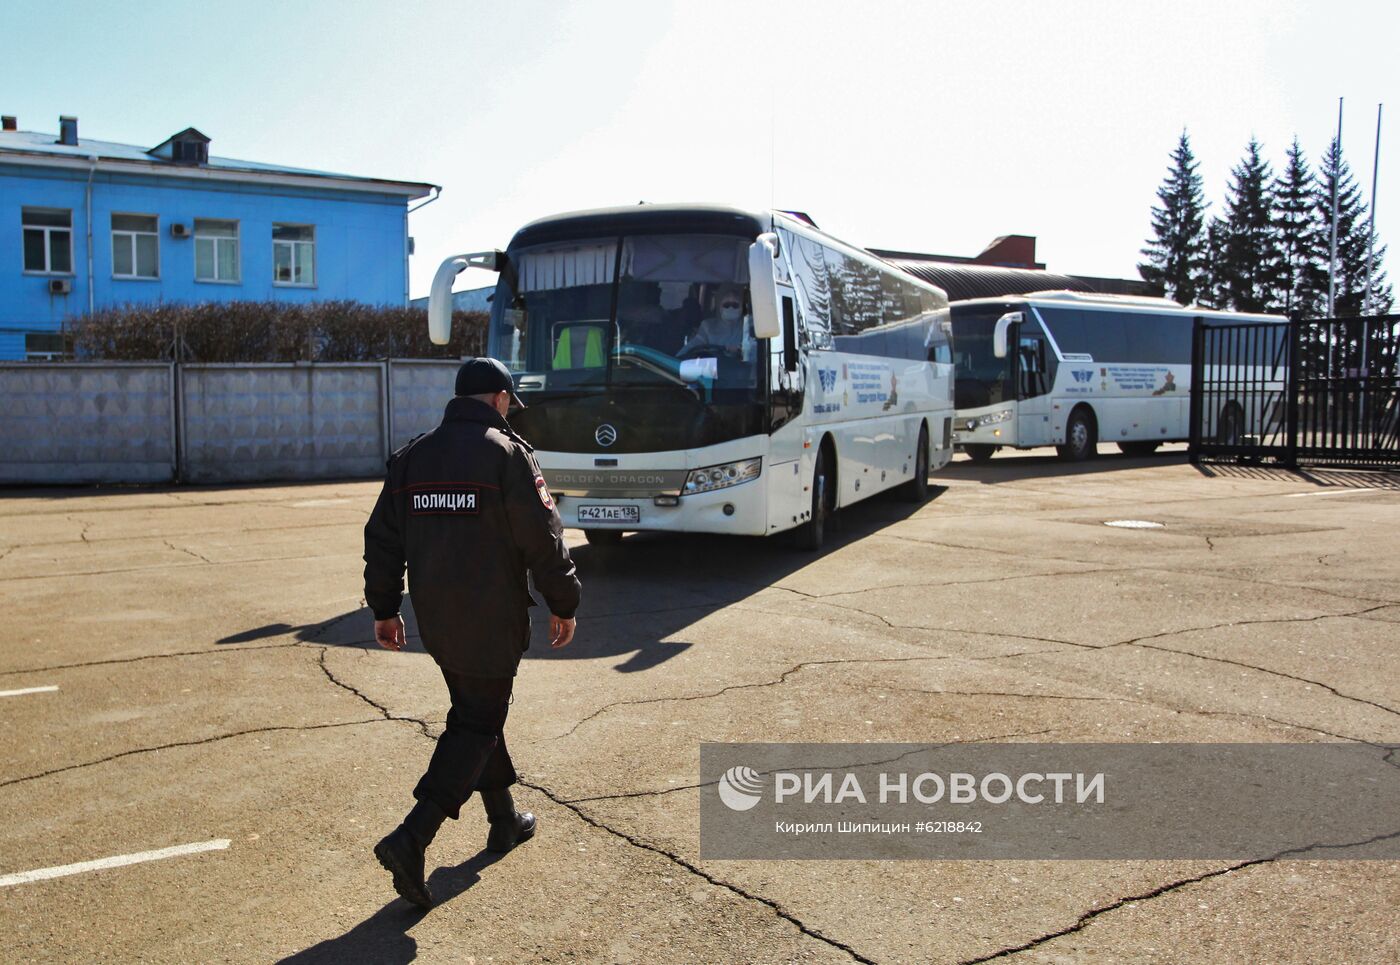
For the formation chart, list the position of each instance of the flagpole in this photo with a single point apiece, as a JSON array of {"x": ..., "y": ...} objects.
[
  {"x": 1371, "y": 245},
  {"x": 1332, "y": 262}
]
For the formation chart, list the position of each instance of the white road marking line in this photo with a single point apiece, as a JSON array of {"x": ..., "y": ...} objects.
[
  {"x": 41, "y": 874},
  {"x": 1339, "y": 492},
  {"x": 28, "y": 690}
]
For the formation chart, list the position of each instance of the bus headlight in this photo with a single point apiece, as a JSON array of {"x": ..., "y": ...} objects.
[
  {"x": 719, "y": 477},
  {"x": 990, "y": 419}
]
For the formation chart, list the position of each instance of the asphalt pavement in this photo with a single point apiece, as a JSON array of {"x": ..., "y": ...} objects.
[{"x": 200, "y": 742}]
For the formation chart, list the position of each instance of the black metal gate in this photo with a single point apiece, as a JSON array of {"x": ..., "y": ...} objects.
[{"x": 1319, "y": 392}]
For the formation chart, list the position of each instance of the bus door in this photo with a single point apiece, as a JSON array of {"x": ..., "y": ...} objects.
[{"x": 1035, "y": 375}]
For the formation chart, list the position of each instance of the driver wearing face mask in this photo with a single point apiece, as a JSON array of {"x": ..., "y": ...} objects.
[{"x": 724, "y": 328}]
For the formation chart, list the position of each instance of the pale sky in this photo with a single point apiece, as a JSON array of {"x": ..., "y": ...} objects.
[{"x": 926, "y": 126}]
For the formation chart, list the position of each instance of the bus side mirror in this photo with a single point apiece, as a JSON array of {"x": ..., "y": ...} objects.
[
  {"x": 440, "y": 296},
  {"x": 999, "y": 334},
  {"x": 763, "y": 295}
]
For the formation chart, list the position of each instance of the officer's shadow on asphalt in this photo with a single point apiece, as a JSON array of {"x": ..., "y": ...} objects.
[
  {"x": 640, "y": 597},
  {"x": 383, "y": 937}
]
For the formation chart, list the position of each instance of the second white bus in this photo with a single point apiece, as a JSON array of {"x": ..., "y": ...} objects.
[{"x": 1073, "y": 370}]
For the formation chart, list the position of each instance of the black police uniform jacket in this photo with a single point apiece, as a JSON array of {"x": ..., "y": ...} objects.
[{"x": 465, "y": 507}]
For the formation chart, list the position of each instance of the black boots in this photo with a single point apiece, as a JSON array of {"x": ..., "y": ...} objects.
[
  {"x": 401, "y": 852},
  {"x": 509, "y": 827}
]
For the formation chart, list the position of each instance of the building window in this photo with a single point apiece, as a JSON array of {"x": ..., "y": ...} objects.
[
  {"x": 293, "y": 254},
  {"x": 47, "y": 346},
  {"x": 48, "y": 240},
  {"x": 135, "y": 246},
  {"x": 215, "y": 250}
]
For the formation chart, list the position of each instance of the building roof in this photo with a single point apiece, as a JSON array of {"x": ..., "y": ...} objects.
[
  {"x": 37, "y": 148},
  {"x": 962, "y": 281}
]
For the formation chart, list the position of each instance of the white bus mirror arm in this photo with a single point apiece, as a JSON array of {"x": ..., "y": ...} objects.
[
  {"x": 763, "y": 293},
  {"x": 999, "y": 339},
  {"x": 440, "y": 295}
]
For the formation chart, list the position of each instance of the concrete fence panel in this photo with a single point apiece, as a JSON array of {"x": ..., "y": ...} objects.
[
  {"x": 282, "y": 421},
  {"x": 85, "y": 423},
  {"x": 418, "y": 392}
]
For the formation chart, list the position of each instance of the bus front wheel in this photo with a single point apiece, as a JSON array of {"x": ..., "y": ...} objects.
[
  {"x": 811, "y": 534},
  {"x": 980, "y": 453},
  {"x": 916, "y": 489},
  {"x": 1081, "y": 437}
]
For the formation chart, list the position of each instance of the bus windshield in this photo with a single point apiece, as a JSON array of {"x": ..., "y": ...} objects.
[
  {"x": 641, "y": 310},
  {"x": 979, "y": 377}
]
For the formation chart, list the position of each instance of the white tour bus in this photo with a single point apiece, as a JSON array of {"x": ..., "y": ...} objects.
[
  {"x": 707, "y": 369},
  {"x": 1072, "y": 370}
]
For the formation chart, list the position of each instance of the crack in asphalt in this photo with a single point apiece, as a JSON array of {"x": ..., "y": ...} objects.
[
  {"x": 985, "y": 549},
  {"x": 928, "y": 583},
  {"x": 185, "y": 500},
  {"x": 186, "y": 550},
  {"x": 1276, "y": 673},
  {"x": 918, "y": 749},
  {"x": 780, "y": 679},
  {"x": 1139, "y": 642},
  {"x": 1153, "y": 703},
  {"x": 189, "y": 743},
  {"x": 636, "y": 842},
  {"x": 422, "y": 725},
  {"x": 149, "y": 656},
  {"x": 1253, "y": 582},
  {"x": 1089, "y": 916},
  {"x": 315, "y": 631},
  {"x": 709, "y": 604},
  {"x": 313, "y": 635},
  {"x": 1014, "y": 554},
  {"x": 201, "y": 532},
  {"x": 914, "y": 626},
  {"x": 166, "y": 566},
  {"x": 600, "y": 825}
]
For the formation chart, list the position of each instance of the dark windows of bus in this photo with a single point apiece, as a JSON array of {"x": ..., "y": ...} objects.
[
  {"x": 1135, "y": 338},
  {"x": 628, "y": 311},
  {"x": 979, "y": 377}
]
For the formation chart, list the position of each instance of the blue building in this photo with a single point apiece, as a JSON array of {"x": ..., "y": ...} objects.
[{"x": 87, "y": 225}]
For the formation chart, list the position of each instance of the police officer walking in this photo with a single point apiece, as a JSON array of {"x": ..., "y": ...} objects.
[{"x": 465, "y": 508}]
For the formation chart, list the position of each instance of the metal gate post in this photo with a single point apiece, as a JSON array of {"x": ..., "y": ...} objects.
[
  {"x": 1197, "y": 380},
  {"x": 1292, "y": 387}
]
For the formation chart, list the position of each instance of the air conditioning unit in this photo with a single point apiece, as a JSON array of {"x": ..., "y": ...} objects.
[
  {"x": 178, "y": 230},
  {"x": 60, "y": 286}
]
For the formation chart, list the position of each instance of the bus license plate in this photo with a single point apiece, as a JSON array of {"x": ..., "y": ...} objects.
[{"x": 610, "y": 514}]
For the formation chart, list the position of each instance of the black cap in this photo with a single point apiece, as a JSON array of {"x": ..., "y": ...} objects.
[{"x": 485, "y": 376}]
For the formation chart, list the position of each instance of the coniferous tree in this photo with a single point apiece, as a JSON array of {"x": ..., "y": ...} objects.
[
  {"x": 1352, "y": 240},
  {"x": 1176, "y": 253},
  {"x": 1250, "y": 267},
  {"x": 1302, "y": 240},
  {"x": 1214, "y": 290}
]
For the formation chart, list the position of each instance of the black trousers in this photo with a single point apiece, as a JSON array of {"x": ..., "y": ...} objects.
[{"x": 471, "y": 754}]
